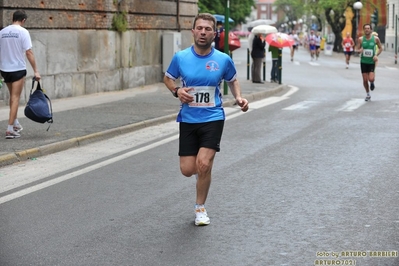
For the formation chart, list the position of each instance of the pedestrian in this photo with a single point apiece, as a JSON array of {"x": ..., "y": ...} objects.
[
  {"x": 295, "y": 46},
  {"x": 219, "y": 30},
  {"x": 258, "y": 55},
  {"x": 318, "y": 43},
  {"x": 347, "y": 45},
  {"x": 312, "y": 44},
  {"x": 274, "y": 72},
  {"x": 201, "y": 69},
  {"x": 368, "y": 57},
  {"x": 15, "y": 43}
]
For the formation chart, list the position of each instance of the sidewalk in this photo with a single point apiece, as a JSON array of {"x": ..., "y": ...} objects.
[{"x": 86, "y": 119}]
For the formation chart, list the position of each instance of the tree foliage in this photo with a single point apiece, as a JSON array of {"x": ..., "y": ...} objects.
[
  {"x": 293, "y": 9},
  {"x": 239, "y": 9}
]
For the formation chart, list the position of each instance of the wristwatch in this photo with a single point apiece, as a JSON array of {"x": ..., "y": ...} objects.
[{"x": 175, "y": 92}]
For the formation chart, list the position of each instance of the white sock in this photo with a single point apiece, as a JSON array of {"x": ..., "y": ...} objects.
[
  {"x": 16, "y": 122},
  {"x": 10, "y": 128},
  {"x": 199, "y": 206}
]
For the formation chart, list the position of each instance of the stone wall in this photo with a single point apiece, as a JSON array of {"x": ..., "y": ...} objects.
[{"x": 77, "y": 53}]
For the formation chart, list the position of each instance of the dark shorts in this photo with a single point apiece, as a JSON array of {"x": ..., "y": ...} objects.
[
  {"x": 10, "y": 77},
  {"x": 348, "y": 53},
  {"x": 194, "y": 136},
  {"x": 367, "y": 68},
  {"x": 317, "y": 47},
  {"x": 312, "y": 47}
]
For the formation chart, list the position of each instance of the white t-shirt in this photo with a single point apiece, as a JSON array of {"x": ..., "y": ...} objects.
[{"x": 14, "y": 42}]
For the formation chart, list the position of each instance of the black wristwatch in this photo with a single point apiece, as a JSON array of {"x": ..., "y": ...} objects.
[{"x": 175, "y": 92}]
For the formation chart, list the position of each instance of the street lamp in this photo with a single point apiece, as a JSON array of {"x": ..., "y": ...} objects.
[
  {"x": 357, "y": 6},
  {"x": 300, "y": 21}
]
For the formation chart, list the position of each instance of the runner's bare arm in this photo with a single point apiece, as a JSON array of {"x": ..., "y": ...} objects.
[
  {"x": 236, "y": 91},
  {"x": 378, "y": 42},
  {"x": 182, "y": 93},
  {"x": 359, "y": 41},
  {"x": 31, "y": 58}
]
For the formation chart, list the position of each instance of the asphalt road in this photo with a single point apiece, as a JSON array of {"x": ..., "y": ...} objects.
[{"x": 308, "y": 174}]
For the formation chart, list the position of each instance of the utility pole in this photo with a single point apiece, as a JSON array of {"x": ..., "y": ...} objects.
[
  {"x": 226, "y": 37},
  {"x": 396, "y": 39}
]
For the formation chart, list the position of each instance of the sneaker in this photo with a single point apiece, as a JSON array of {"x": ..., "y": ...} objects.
[
  {"x": 201, "y": 216},
  {"x": 372, "y": 87},
  {"x": 18, "y": 128},
  {"x": 12, "y": 135},
  {"x": 368, "y": 97}
]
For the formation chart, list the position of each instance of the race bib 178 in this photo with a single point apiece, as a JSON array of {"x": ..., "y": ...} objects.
[{"x": 204, "y": 96}]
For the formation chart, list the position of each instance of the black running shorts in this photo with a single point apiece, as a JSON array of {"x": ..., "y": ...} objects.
[
  {"x": 194, "y": 136},
  {"x": 10, "y": 77},
  {"x": 367, "y": 68}
]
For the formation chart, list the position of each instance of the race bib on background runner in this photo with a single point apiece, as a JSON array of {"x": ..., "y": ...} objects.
[{"x": 204, "y": 96}]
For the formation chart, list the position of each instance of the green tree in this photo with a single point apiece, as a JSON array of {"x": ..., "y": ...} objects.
[
  {"x": 239, "y": 9},
  {"x": 292, "y": 9}
]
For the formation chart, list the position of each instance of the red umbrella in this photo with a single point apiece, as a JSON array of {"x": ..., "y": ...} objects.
[{"x": 279, "y": 40}]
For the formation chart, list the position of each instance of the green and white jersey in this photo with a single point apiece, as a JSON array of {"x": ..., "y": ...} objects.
[{"x": 368, "y": 50}]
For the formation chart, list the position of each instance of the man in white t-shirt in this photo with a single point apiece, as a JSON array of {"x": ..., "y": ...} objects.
[
  {"x": 15, "y": 43},
  {"x": 294, "y": 47}
]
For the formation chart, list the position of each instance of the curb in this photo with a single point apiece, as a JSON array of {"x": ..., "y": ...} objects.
[{"x": 28, "y": 154}]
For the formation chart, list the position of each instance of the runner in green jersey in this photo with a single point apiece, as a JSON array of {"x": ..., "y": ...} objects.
[{"x": 366, "y": 47}]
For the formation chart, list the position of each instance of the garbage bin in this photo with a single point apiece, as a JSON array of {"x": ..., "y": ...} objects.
[{"x": 329, "y": 49}]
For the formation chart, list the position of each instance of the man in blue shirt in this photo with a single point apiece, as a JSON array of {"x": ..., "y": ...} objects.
[{"x": 201, "y": 69}]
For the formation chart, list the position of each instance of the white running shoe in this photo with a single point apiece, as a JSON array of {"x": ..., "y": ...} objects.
[
  {"x": 201, "y": 216},
  {"x": 368, "y": 97},
  {"x": 18, "y": 128},
  {"x": 12, "y": 135}
]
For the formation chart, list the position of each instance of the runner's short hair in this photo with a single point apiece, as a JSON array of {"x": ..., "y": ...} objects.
[
  {"x": 19, "y": 15},
  {"x": 367, "y": 24},
  {"x": 205, "y": 16}
]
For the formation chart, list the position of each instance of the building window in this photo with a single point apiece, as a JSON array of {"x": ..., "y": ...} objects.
[
  {"x": 263, "y": 16},
  {"x": 263, "y": 8}
]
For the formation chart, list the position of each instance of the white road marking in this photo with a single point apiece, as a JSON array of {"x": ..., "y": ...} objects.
[
  {"x": 314, "y": 64},
  {"x": 82, "y": 171},
  {"x": 301, "y": 105},
  {"x": 352, "y": 105}
]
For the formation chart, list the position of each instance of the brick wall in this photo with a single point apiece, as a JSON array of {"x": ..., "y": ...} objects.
[{"x": 98, "y": 14}]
